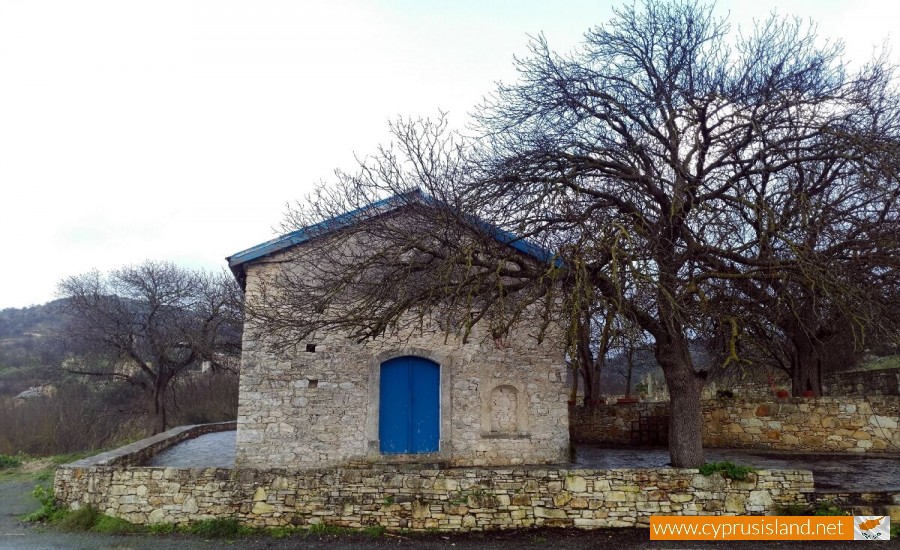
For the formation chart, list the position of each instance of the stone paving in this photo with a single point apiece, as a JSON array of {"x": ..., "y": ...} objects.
[
  {"x": 215, "y": 450},
  {"x": 848, "y": 472}
]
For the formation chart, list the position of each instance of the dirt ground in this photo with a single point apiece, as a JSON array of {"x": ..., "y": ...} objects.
[{"x": 16, "y": 500}]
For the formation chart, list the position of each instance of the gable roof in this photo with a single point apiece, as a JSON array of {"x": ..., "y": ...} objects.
[{"x": 238, "y": 260}]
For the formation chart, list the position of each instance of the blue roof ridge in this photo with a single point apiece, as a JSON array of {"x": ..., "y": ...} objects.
[{"x": 304, "y": 234}]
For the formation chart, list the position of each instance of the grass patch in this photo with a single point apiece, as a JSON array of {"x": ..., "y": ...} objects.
[
  {"x": 49, "y": 512},
  {"x": 729, "y": 470},
  {"x": 22, "y": 467},
  {"x": 793, "y": 510},
  {"x": 281, "y": 532},
  {"x": 8, "y": 461},
  {"x": 878, "y": 363},
  {"x": 823, "y": 508},
  {"x": 82, "y": 519},
  {"x": 830, "y": 508},
  {"x": 219, "y": 528},
  {"x": 375, "y": 531},
  {"x": 327, "y": 529},
  {"x": 160, "y": 529},
  {"x": 90, "y": 519},
  {"x": 72, "y": 457},
  {"x": 109, "y": 525}
]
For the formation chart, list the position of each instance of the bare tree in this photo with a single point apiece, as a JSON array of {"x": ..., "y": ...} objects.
[
  {"x": 595, "y": 334},
  {"x": 670, "y": 169},
  {"x": 692, "y": 165},
  {"x": 149, "y": 323}
]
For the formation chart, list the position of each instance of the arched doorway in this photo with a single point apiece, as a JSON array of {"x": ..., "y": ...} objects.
[{"x": 409, "y": 406}]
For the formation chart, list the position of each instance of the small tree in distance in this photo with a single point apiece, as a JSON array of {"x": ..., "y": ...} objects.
[{"x": 149, "y": 323}]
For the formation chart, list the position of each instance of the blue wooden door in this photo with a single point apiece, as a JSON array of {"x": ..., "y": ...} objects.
[{"x": 410, "y": 406}]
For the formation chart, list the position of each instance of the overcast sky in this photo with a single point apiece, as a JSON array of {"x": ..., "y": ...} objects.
[{"x": 178, "y": 130}]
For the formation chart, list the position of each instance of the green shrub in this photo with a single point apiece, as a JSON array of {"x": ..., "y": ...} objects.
[
  {"x": 160, "y": 529},
  {"x": 49, "y": 512},
  {"x": 7, "y": 461},
  {"x": 280, "y": 532},
  {"x": 830, "y": 508},
  {"x": 729, "y": 470},
  {"x": 82, "y": 519},
  {"x": 375, "y": 531},
  {"x": 46, "y": 475},
  {"x": 326, "y": 529},
  {"x": 219, "y": 528},
  {"x": 115, "y": 526},
  {"x": 793, "y": 510}
]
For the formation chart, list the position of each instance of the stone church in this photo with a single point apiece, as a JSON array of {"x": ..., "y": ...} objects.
[{"x": 413, "y": 396}]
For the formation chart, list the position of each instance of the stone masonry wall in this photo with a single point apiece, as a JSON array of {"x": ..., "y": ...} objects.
[
  {"x": 319, "y": 408},
  {"x": 862, "y": 383},
  {"x": 825, "y": 424},
  {"x": 448, "y": 499}
]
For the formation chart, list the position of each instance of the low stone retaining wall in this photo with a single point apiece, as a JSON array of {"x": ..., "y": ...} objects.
[
  {"x": 137, "y": 453},
  {"x": 863, "y": 383},
  {"x": 825, "y": 424},
  {"x": 448, "y": 499}
]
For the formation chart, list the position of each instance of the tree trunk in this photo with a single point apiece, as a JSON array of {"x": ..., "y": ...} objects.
[
  {"x": 159, "y": 421},
  {"x": 628, "y": 373},
  {"x": 588, "y": 378},
  {"x": 806, "y": 366},
  {"x": 595, "y": 379},
  {"x": 685, "y": 422},
  {"x": 573, "y": 392},
  {"x": 586, "y": 360}
]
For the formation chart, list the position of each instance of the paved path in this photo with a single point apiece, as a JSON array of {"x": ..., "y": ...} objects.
[
  {"x": 848, "y": 472},
  {"x": 215, "y": 450}
]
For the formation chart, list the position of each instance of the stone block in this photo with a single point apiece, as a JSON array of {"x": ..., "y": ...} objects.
[
  {"x": 578, "y": 503},
  {"x": 734, "y": 502},
  {"x": 551, "y": 513},
  {"x": 576, "y": 484},
  {"x": 762, "y": 499},
  {"x": 713, "y": 482},
  {"x": 884, "y": 422},
  {"x": 561, "y": 499}
]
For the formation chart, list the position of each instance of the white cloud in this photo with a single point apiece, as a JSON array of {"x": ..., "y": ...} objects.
[{"x": 179, "y": 129}]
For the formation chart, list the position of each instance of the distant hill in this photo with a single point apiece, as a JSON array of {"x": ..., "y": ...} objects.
[{"x": 29, "y": 354}]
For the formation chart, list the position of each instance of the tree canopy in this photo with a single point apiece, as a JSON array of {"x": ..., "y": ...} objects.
[
  {"x": 693, "y": 182},
  {"x": 149, "y": 323}
]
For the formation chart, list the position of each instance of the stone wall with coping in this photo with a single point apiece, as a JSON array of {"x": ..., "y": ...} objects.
[
  {"x": 457, "y": 499},
  {"x": 864, "y": 383},
  {"x": 825, "y": 424},
  {"x": 135, "y": 454},
  {"x": 320, "y": 408}
]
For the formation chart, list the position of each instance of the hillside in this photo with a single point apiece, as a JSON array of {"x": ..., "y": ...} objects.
[{"x": 29, "y": 352}]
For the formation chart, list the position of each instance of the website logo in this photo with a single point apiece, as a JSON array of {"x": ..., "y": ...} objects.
[{"x": 871, "y": 528}]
